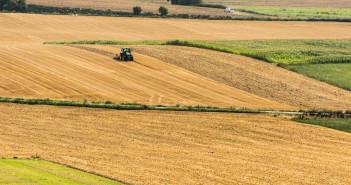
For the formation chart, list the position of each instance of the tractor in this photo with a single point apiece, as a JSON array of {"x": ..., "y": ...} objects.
[{"x": 125, "y": 55}]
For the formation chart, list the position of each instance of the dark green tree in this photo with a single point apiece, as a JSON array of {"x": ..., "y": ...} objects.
[
  {"x": 186, "y": 2},
  {"x": 163, "y": 11},
  {"x": 137, "y": 10},
  {"x": 13, "y": 5},
  {"x": 21, "y": 5}
]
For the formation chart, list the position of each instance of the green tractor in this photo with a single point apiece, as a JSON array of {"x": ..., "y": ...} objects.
[{"x": 125, "y": 55}]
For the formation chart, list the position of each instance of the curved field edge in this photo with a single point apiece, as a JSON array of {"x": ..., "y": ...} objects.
[
  {"x": 333, "y": 123},
  {"x": 281, "y": 52},
  {"x": 306, "y": 57},
  {"x": 34, "y": 171}
]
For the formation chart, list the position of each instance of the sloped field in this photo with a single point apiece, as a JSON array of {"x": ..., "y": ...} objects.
[
  {"x": 61, "y": 72},
  {"x": 163, "y": 147},
  {"x": 30, "y": 69},
  {"x": 253, "y": 76}
]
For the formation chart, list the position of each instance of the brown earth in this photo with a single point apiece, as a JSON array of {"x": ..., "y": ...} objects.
[
  {"x": 253, "y": 76},
  {"x": 155, "y": 147}
]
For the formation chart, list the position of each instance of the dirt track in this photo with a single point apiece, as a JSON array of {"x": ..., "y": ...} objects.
[
  {"x": 253, "y": 76},
  {"x": 152, "y": 147}
]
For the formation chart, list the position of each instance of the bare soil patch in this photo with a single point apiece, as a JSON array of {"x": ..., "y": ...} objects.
[{"x": 253, "y": 76}]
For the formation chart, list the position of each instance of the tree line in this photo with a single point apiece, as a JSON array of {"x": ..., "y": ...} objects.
[{"x": 13, "y": 5}]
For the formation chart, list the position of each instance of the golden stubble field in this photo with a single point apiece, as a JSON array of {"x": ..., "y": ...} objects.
[
  {"x": 164, "y": 147},
  {"x": 33, "y": 70},
  {"x": 155, "y": 147}
]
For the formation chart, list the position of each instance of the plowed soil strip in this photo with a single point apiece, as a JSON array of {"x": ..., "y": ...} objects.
[
  {"x": 253, "y": 76},
  {"x": 152, "y": 147}
]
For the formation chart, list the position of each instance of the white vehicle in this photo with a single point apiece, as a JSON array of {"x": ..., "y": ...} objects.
[{"x": 229, "y": 10}]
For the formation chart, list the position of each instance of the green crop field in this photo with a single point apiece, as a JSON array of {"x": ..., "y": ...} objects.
[
  {"x": 338, "y": 124},
  {"x": 290, "y": 52},
  {"x": 301, "y": 13},
  {"x": 20, "y": 171},
  {"x": 335, "y": 74}
]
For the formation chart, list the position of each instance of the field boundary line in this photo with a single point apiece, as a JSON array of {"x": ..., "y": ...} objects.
[{"x": 141, "y": 107}]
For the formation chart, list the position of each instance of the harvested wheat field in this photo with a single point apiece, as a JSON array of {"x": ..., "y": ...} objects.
[
  {"x": 22, "y": 29},
  {"x": 253, "y": 76},
  {"x": 61, "y": 72},
  {"x": 155, "y": 147}
]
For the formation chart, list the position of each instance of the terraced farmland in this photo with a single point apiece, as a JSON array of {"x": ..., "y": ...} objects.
[{"x": 158, "y": 147}]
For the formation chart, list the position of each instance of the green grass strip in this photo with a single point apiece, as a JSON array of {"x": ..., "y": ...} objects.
[
  {"x": 334, "y": 123},
  {"x": 281, "y": 52},
  {"x": 125, "y": 106},
  {"x": 39, "y": 172}
]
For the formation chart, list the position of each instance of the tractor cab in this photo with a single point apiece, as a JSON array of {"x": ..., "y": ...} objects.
[{"x": 125, "y": 55}]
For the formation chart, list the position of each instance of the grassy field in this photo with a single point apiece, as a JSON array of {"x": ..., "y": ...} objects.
[
  {"x": 300, "y": 12},
  {"x": 20, "y": 171},
  {"x": 338, "y": 124},
  {"x": 335, "y": 74}
]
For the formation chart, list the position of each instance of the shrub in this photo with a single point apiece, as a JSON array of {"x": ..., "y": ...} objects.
[
  {"x": 137, "y": 10},
  {"x": 163, "y": 11},
  {"x": 186, "y": 2}
]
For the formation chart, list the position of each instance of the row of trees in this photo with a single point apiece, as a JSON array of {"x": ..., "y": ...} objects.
[
  {"x": 163, "y": 10},
  {"x": 13, "y": 5}
]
